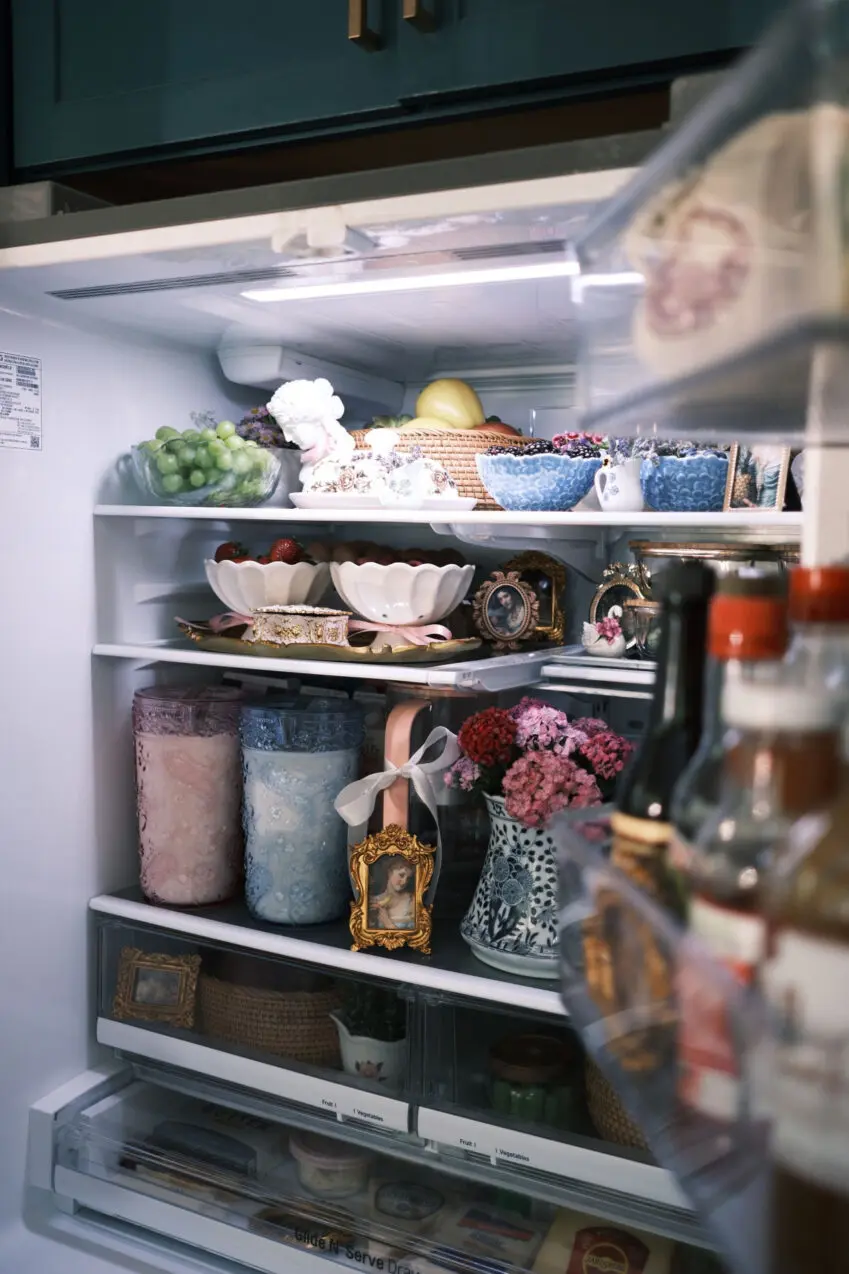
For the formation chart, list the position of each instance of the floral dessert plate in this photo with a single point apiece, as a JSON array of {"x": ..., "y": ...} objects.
[
  {"x": 359, "y": 500},
  {"x": 435, "y": 652}
]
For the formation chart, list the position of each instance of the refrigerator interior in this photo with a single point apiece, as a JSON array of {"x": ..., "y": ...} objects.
[{"x": 131, "y": 333}]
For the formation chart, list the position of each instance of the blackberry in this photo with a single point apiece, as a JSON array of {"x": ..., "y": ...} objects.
[{"x": 539, "y": 447}]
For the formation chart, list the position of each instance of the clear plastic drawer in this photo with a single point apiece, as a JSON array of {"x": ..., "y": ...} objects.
[{"x": 338, "y": 1043}]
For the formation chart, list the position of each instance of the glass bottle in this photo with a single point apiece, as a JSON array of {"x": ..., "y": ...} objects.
[
  {"x": 298, "y": 754},
  {"x": 819, "y": 615},
  {"x": 783, "y": 761},
  {"x": 188, "y": 786},
  {"x": 641, "y": 822},
  {"x": 805, "y": 977},
  {"x": 747, "y": 635}
]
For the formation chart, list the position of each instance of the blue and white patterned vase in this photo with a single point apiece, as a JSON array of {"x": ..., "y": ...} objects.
[
  {"x": 512, "y": 922},
  {"x": 297, "y": 755}
]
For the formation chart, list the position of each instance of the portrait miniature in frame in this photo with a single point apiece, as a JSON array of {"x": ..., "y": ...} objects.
[{"x": 391, "y": 872}]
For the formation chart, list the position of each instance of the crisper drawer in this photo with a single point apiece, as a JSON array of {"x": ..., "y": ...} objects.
[
  {"x": 514, "y": 1089},
  {"x": 339, "y": 1044},
  {"x": 245, "y": 1181}
]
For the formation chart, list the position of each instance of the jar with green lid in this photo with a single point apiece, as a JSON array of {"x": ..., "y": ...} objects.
[{"x": 535, "y": 1078}]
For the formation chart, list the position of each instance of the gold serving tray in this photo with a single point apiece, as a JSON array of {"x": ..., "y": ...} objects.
[{"x": 435, "y": 652}]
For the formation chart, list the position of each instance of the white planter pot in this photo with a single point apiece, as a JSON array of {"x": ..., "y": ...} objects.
[
  {"x": 381, "y": 1061},
  {"x": 512, "y": 922}
]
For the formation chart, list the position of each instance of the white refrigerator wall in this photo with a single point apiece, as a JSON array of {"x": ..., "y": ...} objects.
[{"x": 66, "y": 810}]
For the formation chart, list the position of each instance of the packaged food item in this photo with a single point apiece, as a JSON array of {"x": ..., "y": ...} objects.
[
  {"x": 405, "y": 1207},
  {"x": 485, "y": 1238},
  {"x": 578, "y": 1244},
  {"x": 299, "y": 625},
  {"x": 328, "y": 1168}
]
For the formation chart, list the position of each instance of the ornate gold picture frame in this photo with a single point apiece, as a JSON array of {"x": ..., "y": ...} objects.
[
  {"x": 619, "y": 582},
  {"x": 506, "y": 610},
  {"x": 547, "y": 577},
  {"x": 156, "y": 988},
  {"x": 757, "y": 478},
  {"x": 391, "y": 872}
]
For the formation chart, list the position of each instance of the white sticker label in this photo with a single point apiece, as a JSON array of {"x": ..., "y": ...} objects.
[
  {"x": 20, "y": 401},
  {"x": 806, "y": 981}
]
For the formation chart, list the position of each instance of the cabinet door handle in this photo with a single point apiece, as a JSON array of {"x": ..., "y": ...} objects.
[
  {"x": 418, "y": 16},
  {"x": 359, "y": 32}
]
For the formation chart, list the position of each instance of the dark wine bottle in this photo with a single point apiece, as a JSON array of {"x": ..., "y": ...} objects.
[{"x": 641, "y": 824}]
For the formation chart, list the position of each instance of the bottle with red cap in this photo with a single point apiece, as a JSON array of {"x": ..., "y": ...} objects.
[
  {"x": 747, "y": 639},
  {"x": 819, "y": 618}
]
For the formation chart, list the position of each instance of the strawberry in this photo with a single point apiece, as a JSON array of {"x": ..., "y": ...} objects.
[
  {"x": 264, "y": 560},
  {"x": 230, "y": 552},
  {"x": 243, "y": 557},
  {"x": 288, "y": 551}
]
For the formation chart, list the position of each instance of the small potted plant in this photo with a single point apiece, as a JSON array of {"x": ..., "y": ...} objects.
[
  {"x": 372, "y": 1025},
  {"x": 259, "y": 426}
]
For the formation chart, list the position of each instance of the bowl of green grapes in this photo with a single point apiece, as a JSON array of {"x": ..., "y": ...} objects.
[{"x": 209, "y": 466}]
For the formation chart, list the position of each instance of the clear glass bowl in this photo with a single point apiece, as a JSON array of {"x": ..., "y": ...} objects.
[{"x": 230, "y": 490}]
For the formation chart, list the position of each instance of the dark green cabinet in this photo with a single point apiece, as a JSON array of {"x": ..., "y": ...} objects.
[
  {"x": 101, "y": 77},
  {"x": 482, "y": 45},
  {"x": 134, "y": 78}
]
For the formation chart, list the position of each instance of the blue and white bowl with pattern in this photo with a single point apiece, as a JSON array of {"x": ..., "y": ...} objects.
[
  {"x": 546, "y": 483},
  {"x": 685, "y": 484}
]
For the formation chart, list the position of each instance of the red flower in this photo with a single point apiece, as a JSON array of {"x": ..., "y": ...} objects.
[{"x": 488, "y": 738}]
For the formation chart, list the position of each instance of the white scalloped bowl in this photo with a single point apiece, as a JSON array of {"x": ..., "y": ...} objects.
[
  {"x": 401, "y": 594},
  {"x": 245, "y": 586}
]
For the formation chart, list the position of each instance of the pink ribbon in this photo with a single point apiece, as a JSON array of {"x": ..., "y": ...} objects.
[
  {"x": 219, "y": 623},
  {"x": 421, "y": 636}
]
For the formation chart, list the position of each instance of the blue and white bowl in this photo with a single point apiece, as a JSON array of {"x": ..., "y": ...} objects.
[
  {"x": 685, "y": 484},
  {"x": 546, "y": 483}
]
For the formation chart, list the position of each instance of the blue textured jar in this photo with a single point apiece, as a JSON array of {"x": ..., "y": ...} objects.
[
  {"x": 685, "y": 484},
  {"x": 297, "y": 755}
]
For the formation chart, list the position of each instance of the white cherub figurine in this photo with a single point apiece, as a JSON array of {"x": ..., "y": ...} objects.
[{"x": 308, "y": 412}]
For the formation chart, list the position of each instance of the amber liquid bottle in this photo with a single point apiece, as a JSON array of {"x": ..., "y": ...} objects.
[
  {"x": 806, "y": 979},
  {"x": 641, "y": 824}
]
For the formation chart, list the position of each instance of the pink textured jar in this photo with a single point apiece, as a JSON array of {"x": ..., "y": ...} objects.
[{"x": 188, "y": 780}]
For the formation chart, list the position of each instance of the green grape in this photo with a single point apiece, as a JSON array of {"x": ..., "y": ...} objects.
[
  {"x": 204, "y": 458},
  {"x": 152, "y": 446},
  {"x": 242, "y": 463},
  {"x": 252, "y": 443},
  {"x": 165, "y": 432},
  {"x": 190, "y": 435},
  {"x": 206, "y": 435},
  {"x": 234, "y": 442},
  {"x": 224, "y": 461},
  {"x": 166, "y": 463},
  {"x": 213, "y": 476},
  {"x": 217, "y": 447},
  {"x": 226, "y": 429},
  {"x": 172, "y": 483},
  {"x": 187, "y": 457},
  {"x": 197, "y": 478}
]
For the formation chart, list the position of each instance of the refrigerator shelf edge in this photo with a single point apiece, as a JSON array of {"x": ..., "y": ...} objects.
[
  {"x": 739, "y": 519},
  {"x": 337, "y": 1100},
  {"x": 458, "y": 972},
  {"x": 499, "y": 672}
]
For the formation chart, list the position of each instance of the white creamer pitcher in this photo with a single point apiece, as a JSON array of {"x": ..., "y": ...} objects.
[{"x": 618, "y": 487}]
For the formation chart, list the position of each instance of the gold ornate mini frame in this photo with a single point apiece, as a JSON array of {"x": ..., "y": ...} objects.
[
  {"x": 391, "y": 872},
  {"x": 619, "y": 581},
  {"x": 156, "y": 988},
  {"x": 547, "y": 577},
  {"x": 506, "y": 610}
]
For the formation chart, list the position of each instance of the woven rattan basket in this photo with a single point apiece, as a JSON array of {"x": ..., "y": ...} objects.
[
  {"x": 455, "y": 449},
  {"x": 292, "y": 1024},
  {"x": 608, "y": 1114}
]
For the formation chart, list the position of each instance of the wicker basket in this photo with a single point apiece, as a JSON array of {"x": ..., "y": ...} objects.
[
  {"x": 456, "y": 450},
  {"x": 292, "y": 1024},
  {"x": 612, "y": 1121}
]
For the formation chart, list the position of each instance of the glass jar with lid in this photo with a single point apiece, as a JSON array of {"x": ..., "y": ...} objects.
[
  {"x": 298, "y": 753},
  {"x": 188, "y": 793}
]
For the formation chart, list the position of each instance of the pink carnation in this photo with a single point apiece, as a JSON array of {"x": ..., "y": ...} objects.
[
  {"x": 607, "y": 753},
  {"x": 609, "y": 628},
  {"x": 591, "y": 725},
  {"x": 541, "y": 783},
  {"x": 463, "y": 774},
  {"x": 540, "y": 726}
]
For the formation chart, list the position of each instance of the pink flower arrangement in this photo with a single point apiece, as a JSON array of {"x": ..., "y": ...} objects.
[
  {"x": 609, "y": 628},
  {"x": 538, "y": 760}
]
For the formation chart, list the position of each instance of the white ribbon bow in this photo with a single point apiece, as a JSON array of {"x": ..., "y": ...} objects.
[{"x": 356, "y": 801}]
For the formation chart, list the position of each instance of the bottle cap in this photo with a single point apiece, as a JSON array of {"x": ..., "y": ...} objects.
[
  {"x": 747, "y": 626},
  {"x": 775, "y": 705},
  {"x": 819, "y": 595}
]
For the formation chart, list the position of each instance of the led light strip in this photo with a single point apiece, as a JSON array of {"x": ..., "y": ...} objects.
[{"x": 459, "y": 278}]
